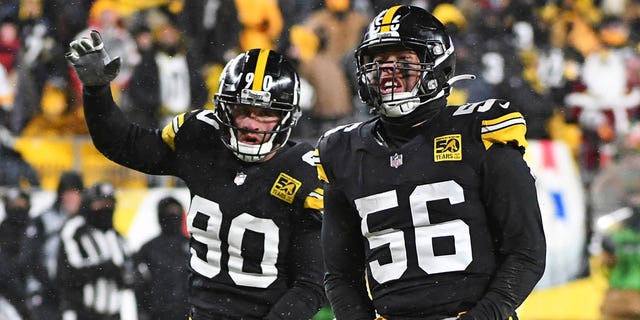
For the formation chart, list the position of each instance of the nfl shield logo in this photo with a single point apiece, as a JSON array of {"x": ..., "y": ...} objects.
[
  {"x": 395, "y": 160},
  {"x": 240, "y": 177}
]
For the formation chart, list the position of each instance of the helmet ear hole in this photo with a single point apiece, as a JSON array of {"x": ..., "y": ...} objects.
[{"x": 363, "y": 92}]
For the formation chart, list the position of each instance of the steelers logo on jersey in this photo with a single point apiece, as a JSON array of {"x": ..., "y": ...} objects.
[
  {"x": 285, "y": 187},
  {"x": 447, "y": 148}
]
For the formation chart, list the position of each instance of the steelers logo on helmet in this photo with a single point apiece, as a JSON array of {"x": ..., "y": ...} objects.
[
  {"x": 261, "y": 82},
  {"x": 404, "y": 28}
]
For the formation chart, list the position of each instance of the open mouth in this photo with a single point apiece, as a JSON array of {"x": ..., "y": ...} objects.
[
  {"x": 390, "y": 85},
  {"x": 249, "y": 138}
]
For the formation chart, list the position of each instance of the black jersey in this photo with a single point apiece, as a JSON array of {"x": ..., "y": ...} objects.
[
  {"x": 448, "y": 222},
  {"x": 255, "y": 228}
]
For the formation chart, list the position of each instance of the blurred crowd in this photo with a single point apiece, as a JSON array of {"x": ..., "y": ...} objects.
[
  {"x": 573, "y": 66},
  {"x": 69, "y": 261}
]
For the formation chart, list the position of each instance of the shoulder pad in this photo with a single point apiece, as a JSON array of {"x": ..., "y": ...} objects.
[
  {"x": 500, "y": 122},
  {"x": 329, "y": 140},
  {"x": 302, "y": 151},
  {"x": 170, "y": 131},
  {"x": 301, "y": 176}
]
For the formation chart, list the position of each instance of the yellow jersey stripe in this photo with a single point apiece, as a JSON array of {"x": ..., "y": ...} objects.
[
  {"x": 314, "y": 203},
  {"x": 488, "y": 124},
  {"x": 506, "y": 129},
  {"x": 316, "y": 161},
  {"x": 168, "y": 135},
  {"x": 170, "y": 130},
  {"x": 388, "y": 17},
  {"x": 321, "y": 174},
  {"x": 261, "y": 65},
  {"x": 315, "y": 200}
]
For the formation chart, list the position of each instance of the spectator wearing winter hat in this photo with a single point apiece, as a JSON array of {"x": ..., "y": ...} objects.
[
  {"x": 161, "y": 282},
  {"x": 42, "y": 242}
]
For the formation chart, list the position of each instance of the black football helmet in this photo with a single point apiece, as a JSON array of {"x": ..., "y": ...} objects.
[
  {"x": 405, "y": 28},
  {"x": 264, "y": 79}
]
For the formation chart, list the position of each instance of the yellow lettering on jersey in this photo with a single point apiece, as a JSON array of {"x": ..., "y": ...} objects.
[
  {"x": 315, "y": 200},
  {"x": 285, "y": 187},
  {"x": 510, "y": 128},
  {"x": 170, "y": 130},
  {"x": 447, "y": 148}
]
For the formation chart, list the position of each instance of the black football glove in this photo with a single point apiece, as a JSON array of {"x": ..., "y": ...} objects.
[{"x": 91, "y": 61}]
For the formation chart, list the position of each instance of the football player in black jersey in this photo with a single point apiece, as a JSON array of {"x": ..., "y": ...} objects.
[
  {"x": 254, "y": 216},
  {"x": 430, "y": 210}
]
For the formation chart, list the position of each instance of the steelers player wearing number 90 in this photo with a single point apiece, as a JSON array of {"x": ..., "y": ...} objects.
[
  {"x": 433, "y": 202},
  {"x": 256, "y": 201}
]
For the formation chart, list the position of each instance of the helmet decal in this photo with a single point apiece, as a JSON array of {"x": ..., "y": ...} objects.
[
  {"x": 390, "y": 22},
  {"x": 259, "y": 72}
]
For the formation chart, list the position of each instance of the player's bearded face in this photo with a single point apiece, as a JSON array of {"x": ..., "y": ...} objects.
[
  {"x": 254, "y": 123},
  {"x": 398, "y": 71}
]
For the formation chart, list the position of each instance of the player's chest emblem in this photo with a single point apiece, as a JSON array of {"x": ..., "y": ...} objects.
[
  {"x": 395, "y": 160},
  {"x": 285, "y": 187},
  {"x": 240, "y": 177},
  {"x": 447, "y": 148}
]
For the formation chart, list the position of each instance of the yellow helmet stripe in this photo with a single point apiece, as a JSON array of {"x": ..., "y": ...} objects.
[
  {"x": 388, "y": 17},
  {"x": 261, "y": 65}
]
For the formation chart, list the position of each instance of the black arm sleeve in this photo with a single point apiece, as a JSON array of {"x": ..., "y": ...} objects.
[
  {"x": 305, "y": 295},
  {"x": 345, "y": 266},
  {"x": 122, "y": 141},
  {"x": 512, "y": 204}
]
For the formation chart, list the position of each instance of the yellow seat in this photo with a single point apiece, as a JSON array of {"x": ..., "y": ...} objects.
[
  {"x": 96, "y": 167},
  {"x": 49, "y": 157}
]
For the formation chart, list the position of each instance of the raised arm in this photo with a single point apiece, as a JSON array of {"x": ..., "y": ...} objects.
[{"x": 117, "y": 138}]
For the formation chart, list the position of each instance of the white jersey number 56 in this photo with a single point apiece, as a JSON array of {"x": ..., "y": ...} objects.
[{"x": 425, "y": 232}]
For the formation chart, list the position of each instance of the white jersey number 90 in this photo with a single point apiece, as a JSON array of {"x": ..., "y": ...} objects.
[{"x": 204, "y": 223}]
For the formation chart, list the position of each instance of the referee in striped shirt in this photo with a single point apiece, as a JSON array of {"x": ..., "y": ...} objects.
[{"x": 94, "y": 260}]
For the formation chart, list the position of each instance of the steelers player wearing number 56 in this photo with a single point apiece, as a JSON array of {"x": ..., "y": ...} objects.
[
  {"x": 254, "y": 216},
  {"x": 430, "y": 209}
]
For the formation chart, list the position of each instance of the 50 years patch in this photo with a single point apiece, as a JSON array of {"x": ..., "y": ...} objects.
[
  {"x": 447, "y": 148},
  {"x": 285, "y": 187}
]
